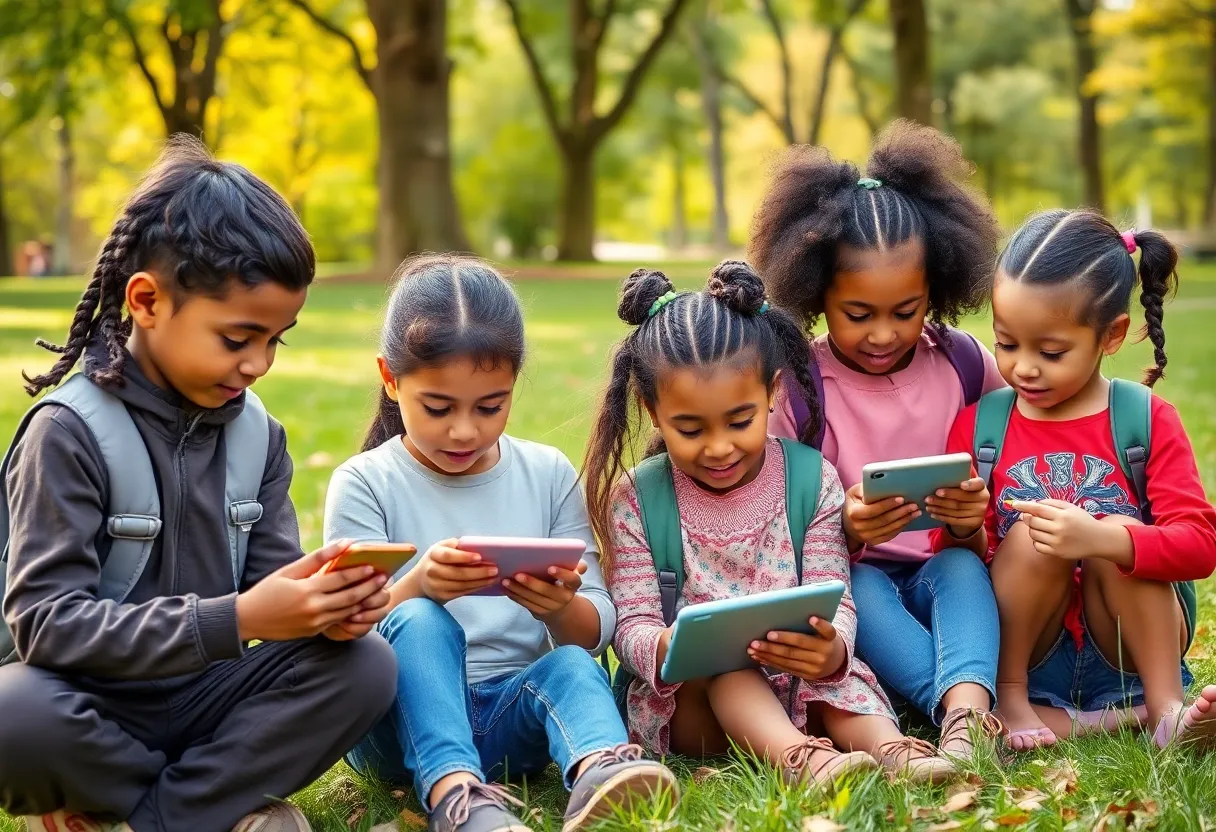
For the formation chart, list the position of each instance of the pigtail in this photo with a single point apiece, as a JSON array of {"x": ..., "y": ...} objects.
[
  {"x": 385, "y": 424},
  {"x": 797, "y": 362},
  {"x": 1158, "y": 281},
  {"x": 796, "y": 229},
  {"x": 604, "y": 463},
  {"x": 924, "y": 172},
  {"x": 105, "y": 292}
]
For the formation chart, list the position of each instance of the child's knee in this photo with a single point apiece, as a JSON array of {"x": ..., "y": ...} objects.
[
  {"x": 368, "y": 668},
  {"x": 568, "y": 661},
  {"x": 33, "y": 728},
  {"x": 868, "y": 580},
  {"x": 421, "y": 619},
  {"x": 961, "y": 563}
]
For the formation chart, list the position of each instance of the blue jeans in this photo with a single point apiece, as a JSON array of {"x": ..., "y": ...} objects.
[
  {"x": 559, "y": 708},
  {"x": 925, "y": 627},
  {"x": 1085, "y": 680}
]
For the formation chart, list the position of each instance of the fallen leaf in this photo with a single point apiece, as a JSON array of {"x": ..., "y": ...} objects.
[
  {"x": 963, "y": 786},
  {"x": 1062, "y": 777},
  {"x": 1027, "y": 800},
  {"x": 945, "y": 826},
  {"x": 391, "y": 826},
  {"x": 1015, "y": 818},
  {"x": 356, "y": 815},
  {"x": 411, "y": 818},
  {"x": 923, "y": 812},
  {"x": 989, "y": 824},
  {"x": 536, "y": 815},
  {"x": 1069, "y": 814},
  {"x": 704, "y": 773},
  {"x": 397, "y": 794},
  {"x": 960, "y": 801},
  {"x": 819, "y": 823}
]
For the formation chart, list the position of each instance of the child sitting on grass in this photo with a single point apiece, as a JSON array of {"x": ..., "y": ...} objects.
[
  {"x": 132, "y": 700},
  {"x": 1092, "y": 556}
]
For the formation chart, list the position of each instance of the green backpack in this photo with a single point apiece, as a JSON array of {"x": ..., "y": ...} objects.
[
  {"x": 1131, "y": 427},
  {"x": 661, "y": 521}
]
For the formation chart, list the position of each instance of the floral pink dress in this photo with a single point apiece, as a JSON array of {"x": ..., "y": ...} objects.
[{"x": 734, "y": 544}]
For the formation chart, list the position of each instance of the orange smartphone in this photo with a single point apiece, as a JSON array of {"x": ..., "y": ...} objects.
[{"x": 384, "y": 557}]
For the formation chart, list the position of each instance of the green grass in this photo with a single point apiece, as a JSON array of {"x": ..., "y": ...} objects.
[{"x": 322, "y": 390}]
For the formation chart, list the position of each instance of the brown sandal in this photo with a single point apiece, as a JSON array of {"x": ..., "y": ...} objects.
[
  {"x": 962, "y": 728},
  {"x": 916, "y": 760},
  {"x": 796, "y": 766}
]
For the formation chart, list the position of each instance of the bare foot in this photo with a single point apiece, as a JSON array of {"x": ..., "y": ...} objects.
[
  {"x": 1195, "y": 725},
  {"x": 1025, "y": 731}
]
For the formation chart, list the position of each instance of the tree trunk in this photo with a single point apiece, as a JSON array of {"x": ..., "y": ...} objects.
[
  {"x": 1209, "y": 204},
  {"x": 711, "y": 103},
  {"x": 418, "y": 210},
  {"x": 1089, "y": 145},
  {"x": 825, "y": 78},
  {"x": 6, "y": 253},
  {"x": 679, "y": 217},
  {"x": 61, "y": 253},
  {"x": 913, "y": 93},
  {"x": 576, "y": 224}
]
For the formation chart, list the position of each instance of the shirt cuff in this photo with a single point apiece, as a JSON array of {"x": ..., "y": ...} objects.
[{"x": 218, "y": 635}]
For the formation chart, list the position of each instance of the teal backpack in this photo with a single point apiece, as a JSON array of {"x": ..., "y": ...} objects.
[
  {"x": 661, "y": 522},
  {"x": 133, "y": 509},
  {"x": 1130, "y": 425}
]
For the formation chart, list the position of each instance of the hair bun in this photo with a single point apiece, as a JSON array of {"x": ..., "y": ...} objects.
[
  {"x": 737, "y": 285},
  {"x": 639, "y": 292}
]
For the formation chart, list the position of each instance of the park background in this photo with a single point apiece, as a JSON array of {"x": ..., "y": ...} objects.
[{"x": 570, "y": 140}]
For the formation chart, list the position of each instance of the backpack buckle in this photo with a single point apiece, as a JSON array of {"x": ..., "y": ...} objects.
[
  {"x": 244, "y": 513},
  {"x": 986, "y": 453},
  {"x": 1136, "y": 455},
  {"x": 133, "y": 526}
]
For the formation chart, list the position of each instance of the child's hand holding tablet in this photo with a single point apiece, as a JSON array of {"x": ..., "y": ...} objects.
[
  {"x": 914, "y": 494},
  {"x": 808, "y": 657}
]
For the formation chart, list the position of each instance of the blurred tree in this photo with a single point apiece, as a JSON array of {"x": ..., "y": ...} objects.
[
  {"x": 913, "y": 91},
  {"x": 711, "y": 104},
  {"x": 410, "y": 82},
  {"x": 193, "y": 33},
  {"x": 836, "y": 15},
  {"x": 579, "y": 134},
  {"x": 1089, "y": 136}
]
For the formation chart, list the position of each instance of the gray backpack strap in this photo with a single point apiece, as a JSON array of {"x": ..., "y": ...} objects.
[
  {"x": 133, "y": 509},
  {"x": 246, "y": 443}
]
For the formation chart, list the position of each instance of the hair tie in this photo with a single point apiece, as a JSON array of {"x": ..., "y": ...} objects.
[
  {"x": 1129, "y": 240},
  {"x": 660, "y": 302},
  {"x": 868, "y": 183},
  {"x": 763, "y": 308}
]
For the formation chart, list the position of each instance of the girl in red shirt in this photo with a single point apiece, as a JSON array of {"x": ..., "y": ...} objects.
[{"x": 1090, "y": 617}]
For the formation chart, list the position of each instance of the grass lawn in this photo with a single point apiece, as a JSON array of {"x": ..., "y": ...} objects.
[{"x": 322, "y": 390}]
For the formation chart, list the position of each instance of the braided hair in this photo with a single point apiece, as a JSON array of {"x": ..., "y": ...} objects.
[
  {"x": 197, "y": 223},
  {"x": 728, "y": 322},
  {"x": 916, "y": 192},
  {"x": 1056, "y": 248}
]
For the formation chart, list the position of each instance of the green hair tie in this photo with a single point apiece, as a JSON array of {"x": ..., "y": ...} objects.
[
  {"x": 763, "y": 308},
  {"x": 868, "y": 183},
  {"x": 660, "y": 303}
]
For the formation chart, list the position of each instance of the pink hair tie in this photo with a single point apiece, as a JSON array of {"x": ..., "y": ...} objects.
[{"x": 1129, "y": 240}]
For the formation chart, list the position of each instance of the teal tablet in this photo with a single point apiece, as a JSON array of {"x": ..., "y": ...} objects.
[
  {"x": 914, "y": 480},
  {"x": 712, "y": 638}
]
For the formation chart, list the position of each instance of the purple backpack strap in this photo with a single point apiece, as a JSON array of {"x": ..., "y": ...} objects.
[
  {"x": 801, "y": 408},
  {"x": 967, "y": 357}
]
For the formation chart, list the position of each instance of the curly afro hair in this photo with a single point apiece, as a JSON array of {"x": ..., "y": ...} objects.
[{"x": 815, "y": 203}]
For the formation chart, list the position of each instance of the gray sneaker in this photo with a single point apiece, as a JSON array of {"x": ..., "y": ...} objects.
[
  {"x": 476, "y": 807},
  {"x": 619, "y": 778},
  {"x": 276, "y": 817}
]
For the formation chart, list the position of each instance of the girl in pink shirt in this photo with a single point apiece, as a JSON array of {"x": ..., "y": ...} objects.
[
  {"x": 889, "y": 259},
  {"x": 703, "y": 368}
]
